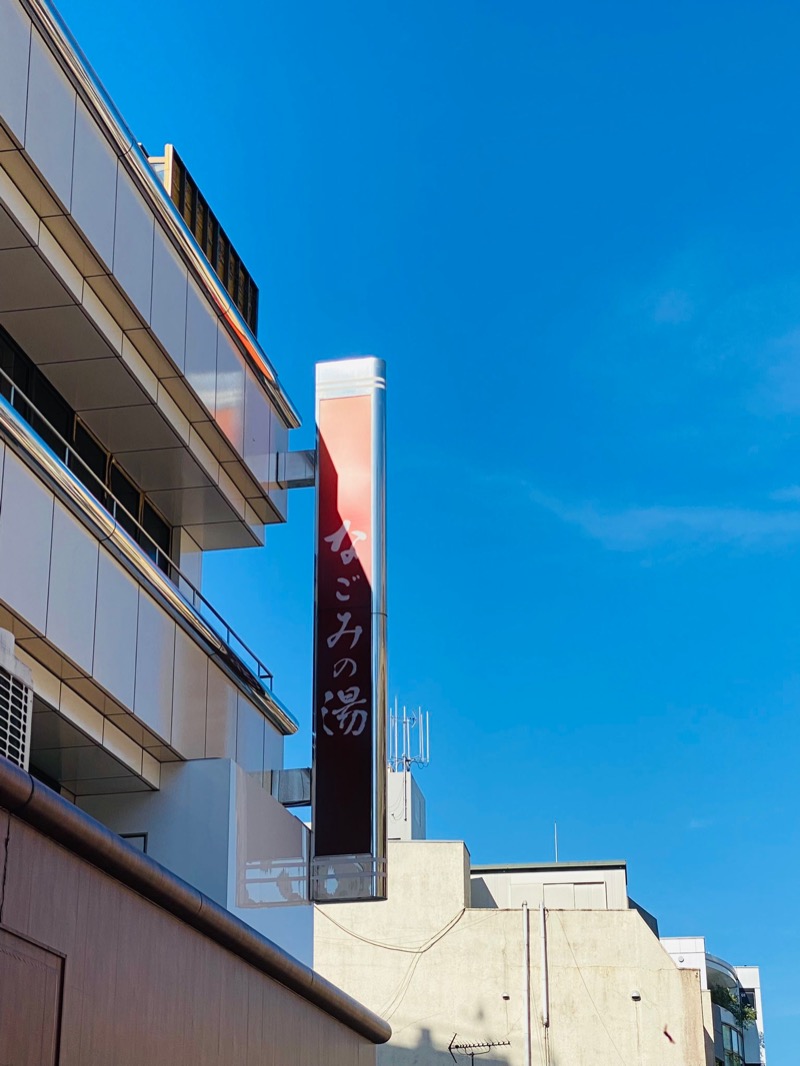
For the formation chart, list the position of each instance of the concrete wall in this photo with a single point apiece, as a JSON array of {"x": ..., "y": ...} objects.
[{"x": 434, "y": 967}]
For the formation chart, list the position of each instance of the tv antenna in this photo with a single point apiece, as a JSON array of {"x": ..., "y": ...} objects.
[
  {"x": 479, "y": 1048},
  {"x": 409, "y": 738}
]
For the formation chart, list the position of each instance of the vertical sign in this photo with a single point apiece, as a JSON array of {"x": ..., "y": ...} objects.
[{"x": 349, "y": 773}]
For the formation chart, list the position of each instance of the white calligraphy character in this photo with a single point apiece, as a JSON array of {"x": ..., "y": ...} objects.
[
  {"x": 351, "y": 716},
  {"x": 335, "y": 541},
  {"x": 356, "y": 631}
]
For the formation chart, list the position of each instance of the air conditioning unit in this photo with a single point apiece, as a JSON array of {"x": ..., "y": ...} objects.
[{"x": 16, "y": 704}]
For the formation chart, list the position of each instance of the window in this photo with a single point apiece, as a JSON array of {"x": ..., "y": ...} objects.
[
  {"x": 94, "y": 458},
  {"x": 56, "y": 414},
  {"x": 125, "y": 493},
  {"x": 155, "y": 526},
  {"x": 733, "y": 1045}
]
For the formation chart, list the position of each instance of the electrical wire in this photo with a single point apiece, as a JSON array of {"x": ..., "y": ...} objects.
[
  {"x": 394, "y": 1003},
  {"x": 426, "y": 946}
]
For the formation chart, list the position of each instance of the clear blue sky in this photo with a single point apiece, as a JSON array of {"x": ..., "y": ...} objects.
[{"x": 573, "y": 232}]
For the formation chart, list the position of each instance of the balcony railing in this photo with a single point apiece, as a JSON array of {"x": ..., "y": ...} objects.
[{"x": 128, "y": 524}]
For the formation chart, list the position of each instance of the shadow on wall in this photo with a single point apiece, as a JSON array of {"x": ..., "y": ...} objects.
[{"x": 427, "y": 1054}]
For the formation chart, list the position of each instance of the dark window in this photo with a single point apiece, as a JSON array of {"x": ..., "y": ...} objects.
[
  {"x": 23, "y": 372},
  {"x": 7, "y": 367},
  {"x": 158, "y": 530},
  {"x": 57, "y": 424},
  {"x": 125, "y": 493},
  {"x": 55, "y": 427},
  {"x": 94, "y": 457}
]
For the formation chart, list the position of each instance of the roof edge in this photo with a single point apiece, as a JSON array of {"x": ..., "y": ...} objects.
[{"x": 521, "y": 867}]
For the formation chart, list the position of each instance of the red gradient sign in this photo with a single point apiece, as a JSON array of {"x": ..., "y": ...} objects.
[{"x": 344, "y": 703}]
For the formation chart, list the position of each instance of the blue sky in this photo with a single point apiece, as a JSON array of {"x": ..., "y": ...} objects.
[{"x": 573, "y": 232}]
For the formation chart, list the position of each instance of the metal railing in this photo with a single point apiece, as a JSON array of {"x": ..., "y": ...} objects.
[{"x": 19, "y": 401}]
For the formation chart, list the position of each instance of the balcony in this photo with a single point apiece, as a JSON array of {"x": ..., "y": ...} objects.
[{"x": 121, "y": 645}]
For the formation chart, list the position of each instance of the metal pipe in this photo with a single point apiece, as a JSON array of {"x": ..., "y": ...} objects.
[
  {"x": 545, "y": 978},
  {"x": 526, "y": 938}
]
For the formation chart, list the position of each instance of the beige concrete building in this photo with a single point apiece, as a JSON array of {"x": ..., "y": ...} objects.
[
  {"x": 523, "y": 964},
  {"x": 546, "y": 964}
]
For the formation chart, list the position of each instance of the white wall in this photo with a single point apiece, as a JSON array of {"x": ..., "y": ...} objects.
[
  {"x": 207, "y": 823},
  {"x": 689, "y": 953},
  {"x": 754, "y": 1050},
  {"x": 405, "y": 807}
]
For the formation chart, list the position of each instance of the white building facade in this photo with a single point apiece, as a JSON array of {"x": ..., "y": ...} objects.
[{"x": 141, "y": 425}]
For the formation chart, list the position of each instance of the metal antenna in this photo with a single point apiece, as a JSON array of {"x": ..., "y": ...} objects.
[
  {"x": 409, "y": 738},
  {"x": 555, "y": 838},
  {"x": 478, "y": 1048}
]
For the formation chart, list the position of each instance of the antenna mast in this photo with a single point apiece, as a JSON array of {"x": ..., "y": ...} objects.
[{"x": 409, "y": 738}]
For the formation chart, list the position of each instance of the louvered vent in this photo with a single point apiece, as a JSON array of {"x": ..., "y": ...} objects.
[{"x": 16, "y": 704}]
